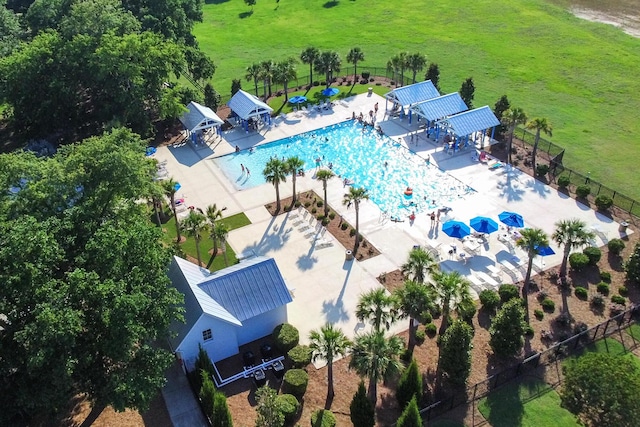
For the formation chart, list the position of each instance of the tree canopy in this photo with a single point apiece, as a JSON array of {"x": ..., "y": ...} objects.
[{"x": 85, "y": 292}]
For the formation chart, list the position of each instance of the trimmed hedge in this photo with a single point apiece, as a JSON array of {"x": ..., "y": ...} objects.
[
  {"x": 593, "y": 253},
  {"x": 300, "y": 356},
  {"x": 563, "y": 181},
  {"x": 295, "y": 382},
  {"x": 581, "y": 292},
  {"x": 578, "y": 261},
  {"x": 548, "y": 305},
  {"x": 490, "y": 300},
  {"x": 605, "y": 276},
  {"x": 538, "y": 313},
  {"x": 618, "y": 299},
  {"x": 508, "y": 292},
  {"x": 323, "y": 418},
  {"x": 285, "y": 337},
  {"x": 582, "y": 191},
  {"x": 616, "y": 246},
  {"x": 603, "y": 288},
  {"x": 289, "y": 406},
  {"x": 431, "y": 329},
  {"x": 421, "y": 335},
  {"x": 603, "y": 202}
]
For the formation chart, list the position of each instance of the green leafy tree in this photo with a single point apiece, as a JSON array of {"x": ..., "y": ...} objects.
[
  {"x": 531, "y": 241},
  {"x": 284, "y": 72},
  {"x": 378, "y": 308},
  {"x": 413, "y": 299},
  {"x": 409, "y": 385},
  {"x": 10, "y": 28},
  {"x": 571, "y": 234},
  {"x": 325, "y": 175},
  {"x": 602, "y": 390},
  {"x": 293, "y": 164},
  {"x": 507, "y": 329},
  {"x": 375, "y": 356},
  {"x": 356, "y": 195},
  {"x": 433, "y": 74},
  {"x": 328, "y": 63},
  {"x": 275, "y": 172},
  {"x": 173, "y": 19},
  {"x": 539, "y": 124},
  {"x": 253, "y": 72},
  {"x": 393, "y": 66},
  {"x": 195, "y": 225},
  {"x": 361, "y": 411},
  {"x": 269, "y": 413},
  {"x": 451, "y": 289},
  {"x": 499, "y": 108},
  {"x": 467, "y": 92},
  {"x": 97, "y": 17},
  {"x": 199, "y": 65},
  {"x": 455, "y": 352},
  {"x": 328, "y": 343},
  {"x": 310, "y": 56},
  {"x": 416, "y": 62},
  {"x": 202, "y": 364},
  {"x": 410, "y": 416},
  {"x": 632, "y": 266},
  {"x": 419, "y": 265},
  {"x": 354, "y": 56},
  {"x": 221, "y": 414},
  {"x": 211, "y": 97},
  {"x": 207, "y": 393},
  {"x": 511, "y": 118}
]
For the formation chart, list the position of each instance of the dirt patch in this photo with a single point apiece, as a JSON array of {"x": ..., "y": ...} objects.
[{"x": 630, "y": 24}]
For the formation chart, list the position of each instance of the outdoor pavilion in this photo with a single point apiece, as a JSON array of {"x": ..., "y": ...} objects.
[
  {"x": 249, "y": 109},
  {"x": 406, "y": 96},
  {"x": 464, "y": 125},
  {"x": 197, "y": 119},
  {"x": 439, "y": 108}
]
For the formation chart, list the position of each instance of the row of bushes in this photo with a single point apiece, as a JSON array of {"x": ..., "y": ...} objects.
[{"x": 602, "y": 201}]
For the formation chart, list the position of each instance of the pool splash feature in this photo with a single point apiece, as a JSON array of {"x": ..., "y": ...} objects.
[{"x": 365, "y": 158}]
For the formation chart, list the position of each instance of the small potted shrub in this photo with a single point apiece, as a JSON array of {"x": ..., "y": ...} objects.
[
  {"x": 583, "y": 191},
  {"x": 563, "y": 181},
  {"x": 603, "y": 202},
  {"x": 593, "y": 253},
  {"x": 343, "y": 226},
  {"x": 366, "y": 75},
  {"x": 615, "y": 246},
  {"x": 542, "y": 170}
]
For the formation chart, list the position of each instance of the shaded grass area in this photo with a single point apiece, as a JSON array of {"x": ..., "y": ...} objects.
[
  {"x": 529, "y": 402},
  {"x": 634, "y": 331},
  {"x": 578, "y": 74},
  {"x": 611, "y": 346},
  {"x": 189, "y": 245}
]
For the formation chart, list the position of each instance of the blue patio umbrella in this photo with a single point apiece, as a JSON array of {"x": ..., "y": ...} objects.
[
  {"x": 177, "y": 186},
  {"x": 482, "y": 224},
  {"x": 544, "y": 250},
  {"x": 456, "y": 229},
  {"x": 298, "y": 99},
  {"x": 330, "y": 91},
  {"x": 511, "y": 219}
]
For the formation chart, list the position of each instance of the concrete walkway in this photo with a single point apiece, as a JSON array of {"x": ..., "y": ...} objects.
[{"x": 182, "y": 405}]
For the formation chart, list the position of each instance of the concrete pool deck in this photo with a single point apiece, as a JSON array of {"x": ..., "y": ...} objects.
[{"x": 326, "y": 288}]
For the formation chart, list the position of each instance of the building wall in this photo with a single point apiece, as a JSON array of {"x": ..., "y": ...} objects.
[
  {"x": 259, "y": 326},
  {"x": 223, "y": 344}
]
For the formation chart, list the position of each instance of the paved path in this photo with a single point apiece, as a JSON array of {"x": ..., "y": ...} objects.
[{"x": 182, "y": 405}]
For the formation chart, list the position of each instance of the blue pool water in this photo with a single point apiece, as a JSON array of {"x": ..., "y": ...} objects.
[{"x": 360, "y": 157}]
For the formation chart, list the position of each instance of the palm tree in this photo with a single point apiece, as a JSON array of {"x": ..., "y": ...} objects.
[
  {"x": 419, "y": 263},
  {"x": 511, "y": 118},
  {"x": 377, "y": 307},
  {"x": 213, "y": 214},
  {"x": 309, "y": 56},
  {"x": 539, "y": 125},
  {"x": 452, "y": 290},
  {"x": 328, "y": 343},
  {"x": 293, "y": 164},
  {"x": 325, "y": 175},
  {"x": 284, "y": 72},
  {"x": 266, "y": 74},
  {"x": 402, "y": 62},
  {"x": 376, "y": 356},
  {"x": 328, "y": 62},
  {"x": 413, "y": 299},
  {"x": 355, "y": 196},
  {"x": 220, "y": 234},
  {"x": 253, "y": 72},
  {"x": 354, "y": 56},
  {"x": 572, "y": 234},
  {"x": 393, "y": 65},
  {"x": 531, "y": 240},
  {"x": 195, "y": 224},
  {"x": 170, "y": 190},
  {"x": 416, "y": 62},
  {"x": 275, "y": 172},
  {"x": 156, "y": 193}
]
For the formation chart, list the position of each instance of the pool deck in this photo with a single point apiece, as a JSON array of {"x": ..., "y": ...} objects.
[{"x": 325, "y": 286}]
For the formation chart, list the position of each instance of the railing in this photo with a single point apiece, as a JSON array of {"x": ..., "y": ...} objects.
[{"x": 246, "y": 373}]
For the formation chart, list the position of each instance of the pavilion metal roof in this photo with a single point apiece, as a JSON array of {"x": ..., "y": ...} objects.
[
  {"x": 246, "y": 105},
  {"x": 442, "y": 106},
  {"x": 471, "y": 121},
  {"x": 413, "y": 94},
  {"x": 199, "y": 117}
]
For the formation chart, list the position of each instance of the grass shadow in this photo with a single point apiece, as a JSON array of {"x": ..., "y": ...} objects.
[
  {"x": 215, "y": 1},
  {"x": 244, "y": 15},
  {"x": 330, "y": 4}
]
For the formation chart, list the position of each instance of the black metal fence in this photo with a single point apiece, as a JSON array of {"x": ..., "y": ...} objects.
[{"x": 548, "y": 360}]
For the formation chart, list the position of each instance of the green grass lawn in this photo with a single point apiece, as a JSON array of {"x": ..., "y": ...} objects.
[
  {"x": 582, "y": 76},
  {"x": 189, "y": 246},
  {"x": 516, "y": 405},
  {"x": 634, "y": 331}
]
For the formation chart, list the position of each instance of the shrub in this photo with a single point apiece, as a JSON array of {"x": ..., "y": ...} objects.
[
  {"x": 366, "y": 75},
  {"x": 564, "y": 319},
  {"x": 563, "y": 181},
  {"x": 421, "y": 335},
  {"x": 490, "y": 300},
  {"x": 542, "y": 295},
  {"x": 436, "y": 311},
  {"x": 582, "y": 191},
  {"x": 528, "y": 331},
  {"x": 581, "y": 292},
  {"x": 295, "y": 382},
  {"x": 319, "y": 203},
  {"x": 285, "y": 337},
  {"x": 542, "y": 169},
  {"x": 300, "y": 356},
  {"x": 352, "y": 232},
  {"x": 361, "y": 409},
  {"x": 289, "y": 406},
  {"x": 409, "y": 385},
  {"x": 323, "y": 418},
  {"x": 632, "y": 266},
  {"x": 618, "y": 299},
  {"x": 597, "y": 301},
  {"x": 622, "y": 290},
  {"x": 426, "y": 317},
  {"x": 507, "y": 329},
  {"x": 314, "y": 211},
  {"x": 603, "y": 288},
  {"x": 508, "y": 292},
  {"x": 307, "y": 204},
  {"x": 578, "y": 261},
  {"x": 605, "y": 276},
  {"x": 466, "y": 310},
  {"x": 455, "y": 352},
  {"x": 332, "y": 215},
  {"x": 593, "y": 253},
  {"x": 431, "y": 329},
  {"x": 603, "y": 202},
  {"x": 548, "y": 305},
  {"x": 344, "y": 226},
  {"x": 538, "y": 313},
  {"x": 325, "y": 221},
  {"x": 615, "y": 246},
  {"x": 579, "y": 328}
]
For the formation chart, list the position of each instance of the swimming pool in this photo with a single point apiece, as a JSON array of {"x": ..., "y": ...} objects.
[{"x": 372, "y": 161}]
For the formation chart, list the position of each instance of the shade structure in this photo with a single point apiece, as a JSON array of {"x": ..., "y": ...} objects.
[
  {"x": 330, "y": 91},
  {"x": 544, "y": 250},
  {"x": 511, "y": 219},
  {"x": 456, "y": 229},
  {"x": 298, "y": 99},
  {"x": 482, "y": 224}
]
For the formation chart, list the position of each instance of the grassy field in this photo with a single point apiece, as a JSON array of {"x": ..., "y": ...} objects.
[{"x": 579, "y": 75}]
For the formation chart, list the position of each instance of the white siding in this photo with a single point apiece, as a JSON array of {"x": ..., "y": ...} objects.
[
  {"x": 223, "y": 344},
  {"x": 261, "y": 325}
]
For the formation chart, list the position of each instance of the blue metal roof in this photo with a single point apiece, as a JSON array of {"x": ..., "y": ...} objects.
[
  {"x": 199, "y": 117},
  {"x": 442, "y": 106},
  {"x": 472, "y": 121},
  {"x": 246, "y": 105},
  {"x": 248, "y": 289},
  {"x": 413, "y": 94}
]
